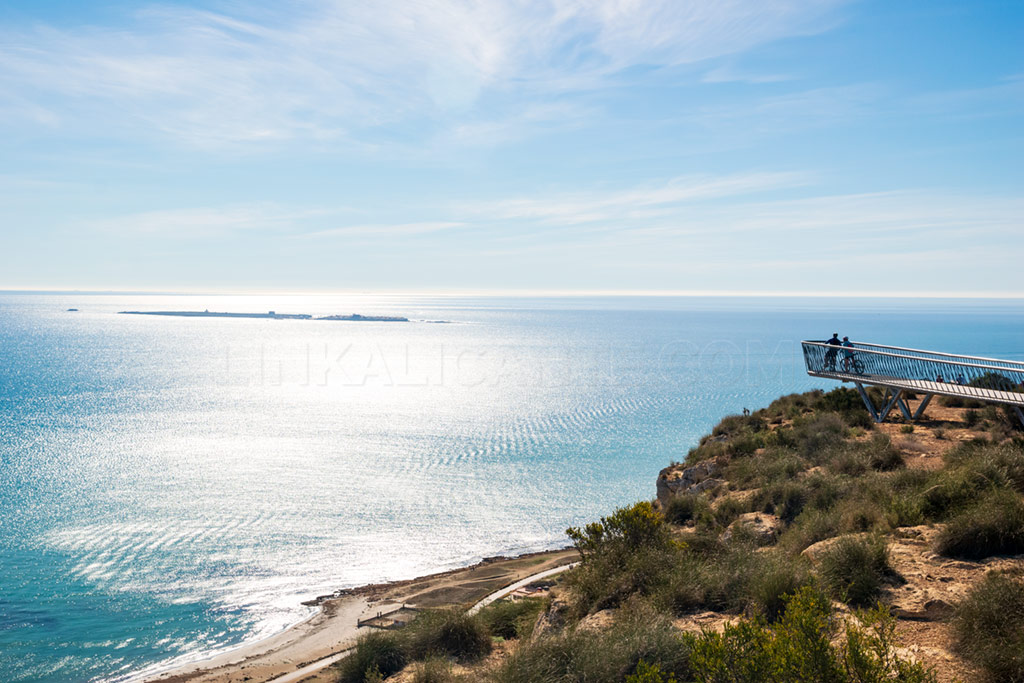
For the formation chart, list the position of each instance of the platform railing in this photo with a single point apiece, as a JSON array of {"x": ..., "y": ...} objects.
[
  {"x": 986, "y": 379},
  {"x": 1010, "y": 365}
]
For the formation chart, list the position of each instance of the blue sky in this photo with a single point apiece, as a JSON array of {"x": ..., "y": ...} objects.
[{"x": 767, "y": 146}]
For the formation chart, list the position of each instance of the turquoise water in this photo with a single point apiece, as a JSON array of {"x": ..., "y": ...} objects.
[{"x": 173, "y": 487}]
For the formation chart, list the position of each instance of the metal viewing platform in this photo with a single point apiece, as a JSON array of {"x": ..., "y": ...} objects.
[{"x": 900, "y": 370}]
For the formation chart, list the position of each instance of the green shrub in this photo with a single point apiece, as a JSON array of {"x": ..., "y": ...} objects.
[
  {"x": 869, "y": 654},
  {"x": 792, "y": 404},
  {"x": 446, "y": 633},
  {"x": 605, "y": 581},
  {"x": 950, "y": 491},
  {"x": 907, "y": 429},
  {"x": 649, "y": 673},
  {"x": 994, "y": 526},
  {"x": 785, "y": 499},
  {"x": 775, "y": 582},
  {"x": 883, "y": 456},
  {"x": 638, "y": 634},
  {"x": 433, "y": 670},
  {"x": 854, "y": 459},
  {"x": 715, "y": 580},
  {"x": 686, "y": 508},
  {"x": 799, "y": 647},
  {"x": 810, "y": 527},
  {"x": 625, "y": 530},
  {"x": 961, "y": 402},
  {"x": 855, "y": 568},
  {"x": 858, "y": 514},
  {"x": 818, "y": 435},
  {"x": 728, "y": 509},
  {"x": 997, "y": 464},
  {"x": 626, "y": 553},
  {"x": 510, "y": 619},
  {"x": 773, "y": 465},
  {"x": 733, "y": 425},
  {"x": 376, "y": 653},
  {"x": 989, "y": 627}
]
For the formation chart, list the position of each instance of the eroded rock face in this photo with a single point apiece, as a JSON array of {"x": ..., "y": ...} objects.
[
  {"x": 677, "y": 480},
  {"x": 598, "y": 621},
  {"x": 762, "y": 526},
  {"x": 553, "y": 618}
]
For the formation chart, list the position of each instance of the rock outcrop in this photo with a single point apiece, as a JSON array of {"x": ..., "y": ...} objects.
[
  {"x": 677, "y": 480},
  {"x": 762, "y": 527}
]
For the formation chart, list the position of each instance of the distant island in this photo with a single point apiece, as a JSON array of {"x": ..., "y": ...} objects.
[{"x": 273, "y": 315}]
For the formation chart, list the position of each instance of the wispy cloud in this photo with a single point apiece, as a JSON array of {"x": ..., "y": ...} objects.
[
  {"x": 639, "y": 202},
  {"x": 331, "y": 68},
  {"x": 386, "y": 230},
  {"x": 730, "y": 74},
  {"x": 208, "y": 221}
]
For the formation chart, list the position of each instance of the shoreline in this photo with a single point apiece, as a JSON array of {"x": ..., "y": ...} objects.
[{"x": 334, "y": 627}]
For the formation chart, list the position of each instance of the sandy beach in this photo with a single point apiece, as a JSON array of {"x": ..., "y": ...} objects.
[{"x": 337, "y": 624}]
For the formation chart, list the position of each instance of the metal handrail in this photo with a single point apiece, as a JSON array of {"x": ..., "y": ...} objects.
[
  {"x": 864, "y": 349},
  {"x": 946, "y": 355},
  {"x": 916, "y": 371}
]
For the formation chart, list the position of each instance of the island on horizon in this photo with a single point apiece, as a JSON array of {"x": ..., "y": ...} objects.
[{"x": 273, "y": 315}]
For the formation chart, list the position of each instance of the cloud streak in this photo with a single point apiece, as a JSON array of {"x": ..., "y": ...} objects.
[{"x": 334, "y": 69}]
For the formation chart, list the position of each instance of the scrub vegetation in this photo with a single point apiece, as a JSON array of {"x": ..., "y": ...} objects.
[{"x": 774, "y": 564}]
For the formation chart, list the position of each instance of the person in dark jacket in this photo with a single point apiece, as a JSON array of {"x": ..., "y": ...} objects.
[{"x": 830, "y": 355}]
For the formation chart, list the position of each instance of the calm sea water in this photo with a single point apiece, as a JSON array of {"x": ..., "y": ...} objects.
[{"x": 173, "y": 487}]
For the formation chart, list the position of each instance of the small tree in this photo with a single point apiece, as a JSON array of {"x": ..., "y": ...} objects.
[{"x": 625, "y": 530}]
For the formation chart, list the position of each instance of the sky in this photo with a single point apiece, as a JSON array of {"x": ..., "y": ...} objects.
[{"x": 673, "y": 146}]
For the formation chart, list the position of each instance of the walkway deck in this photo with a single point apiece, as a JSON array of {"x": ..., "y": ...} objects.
[{"x": 899, "y": 370}]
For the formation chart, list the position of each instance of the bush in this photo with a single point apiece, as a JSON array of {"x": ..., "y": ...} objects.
[
  {"x": 581, "y": 656},
  {"x": 728, "y": 509},
  {"x": 950, "y": 491},
  {"x": 855, "y": 459},
  {"x": 649, "y": 673},
  {"x": 775, "y": 582},
  {"x": 625, "y": 530},
  {"x": 433, "y": 670},
  {"x": 989, "y": 627},
  {"x": 855, "y": 568},
  {"x": 994, "y": 526},
  {"x": 375, "y": 654},
  {"x": 883, "y": 456},
  {"x": 869, "y": 655},
  {"x": 907, "y": 429},
  {"x": 810, "y": 527},
  {"x": 511, "y": 619},
  {"x": 626, "y": 553},
  {"x": 686, "y": 508},
  {"x": 718, "y": 580},
  {"x": 818, "y": 435},
  {"x": 999, "y": 464},
  {"x": 799, "y": 648},
  {"x": 605, "y": 581},
  {"x": 785, "y": 499},
  {"x": 773, "y": 465},
  {"x": 446, "y": 633}
]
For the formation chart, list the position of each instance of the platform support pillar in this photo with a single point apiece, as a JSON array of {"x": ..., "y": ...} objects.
[
  {"x": 924, "y": 404},
  {"x": 890, "y": 398}
]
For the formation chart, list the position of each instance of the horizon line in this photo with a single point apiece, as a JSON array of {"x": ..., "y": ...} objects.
[{"x": 528, "y": 293}]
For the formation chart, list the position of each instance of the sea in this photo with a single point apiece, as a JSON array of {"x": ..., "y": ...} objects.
[{"x": 171, "y": 488}]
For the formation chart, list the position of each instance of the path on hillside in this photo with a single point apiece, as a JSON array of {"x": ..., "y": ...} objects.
[{"x": 318, "y": 665}]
